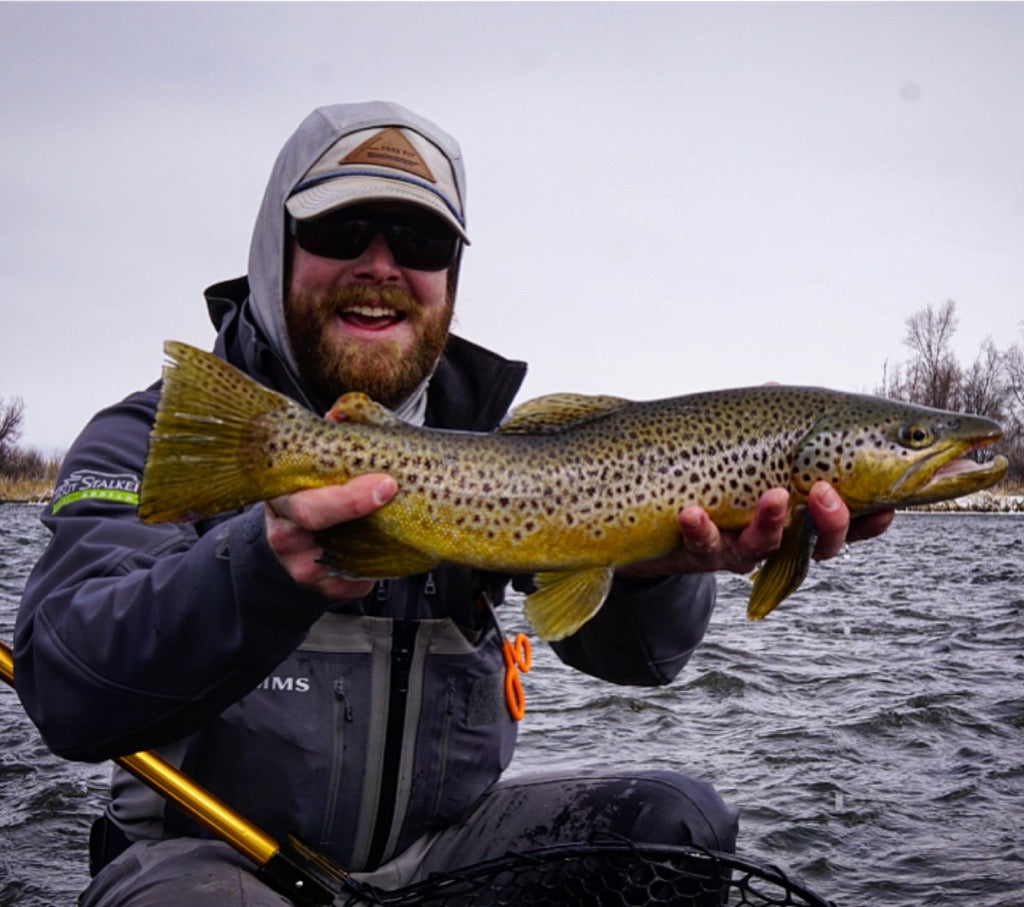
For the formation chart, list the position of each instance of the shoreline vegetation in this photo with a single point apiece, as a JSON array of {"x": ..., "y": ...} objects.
[
  {"x": 25, "y": 491},
  {"x": 1000, "y": 500}
]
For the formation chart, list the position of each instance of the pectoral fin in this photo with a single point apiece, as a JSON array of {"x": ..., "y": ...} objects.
[
  {"x": 785, "y": 570},
  {"x": 564, "y": 602},
  {"x": 363, "y": 549}
]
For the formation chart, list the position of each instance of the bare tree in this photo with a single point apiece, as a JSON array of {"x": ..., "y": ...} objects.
[
  {"x": 993, "y": 385},
  {"x": 11, "y": 416},
  {"x": 892, "y": 385},
  {"x": 1014, "y": 424},
  {"x": 1014, "y": 365},
  {"x": 932, "y": 377},
  {"x": 984, "y": 386}
]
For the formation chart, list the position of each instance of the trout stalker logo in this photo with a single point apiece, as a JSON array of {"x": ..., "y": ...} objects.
[{"x": 82, "y": 485}]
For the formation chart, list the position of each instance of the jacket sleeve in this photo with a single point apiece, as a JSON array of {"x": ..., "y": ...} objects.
[
  {"x": 645, "y": 632},
  {"x": 129, "y": 635}
]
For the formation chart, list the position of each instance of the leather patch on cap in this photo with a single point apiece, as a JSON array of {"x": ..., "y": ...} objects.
[{"x": 389, "y": 148}]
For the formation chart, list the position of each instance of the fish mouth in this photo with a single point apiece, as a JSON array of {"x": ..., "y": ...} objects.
[{"x": 951, "y": 474}]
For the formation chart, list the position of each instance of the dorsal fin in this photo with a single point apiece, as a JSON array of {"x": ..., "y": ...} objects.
[
  {"x": 556, "y": 412},
  {"x": 359, "y": 408}
]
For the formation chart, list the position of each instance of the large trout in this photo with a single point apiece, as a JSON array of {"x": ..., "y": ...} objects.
[{"x": 569, "y": 489}]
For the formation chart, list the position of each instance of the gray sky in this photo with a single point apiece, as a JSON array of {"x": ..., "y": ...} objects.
[{"x": 662, "y": 198}]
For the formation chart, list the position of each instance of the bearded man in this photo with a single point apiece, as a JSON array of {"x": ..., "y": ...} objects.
[{"x": 367, "y": 718}]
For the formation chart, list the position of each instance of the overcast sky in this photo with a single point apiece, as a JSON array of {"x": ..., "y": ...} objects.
[{"x": 662, "y": 198}]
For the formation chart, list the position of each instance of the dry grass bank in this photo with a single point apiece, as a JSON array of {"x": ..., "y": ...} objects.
[{"x": 25, "y": 491}]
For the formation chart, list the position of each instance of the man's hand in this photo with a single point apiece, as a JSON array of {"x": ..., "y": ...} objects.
[
  {"x": 704, "y": 548},
  {"x": 292, "y": 520}
]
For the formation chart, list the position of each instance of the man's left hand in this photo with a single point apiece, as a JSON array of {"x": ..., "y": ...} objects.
[{"x": 704, "y": 548}]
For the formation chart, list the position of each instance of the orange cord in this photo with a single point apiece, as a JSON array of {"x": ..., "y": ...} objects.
[{"x": 518, "y": 657}]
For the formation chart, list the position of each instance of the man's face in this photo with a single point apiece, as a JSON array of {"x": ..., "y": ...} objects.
[{"x": 367, "y": 323}]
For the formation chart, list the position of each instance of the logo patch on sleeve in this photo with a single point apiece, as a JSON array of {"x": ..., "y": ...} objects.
[{"x": 85, "y": 485}]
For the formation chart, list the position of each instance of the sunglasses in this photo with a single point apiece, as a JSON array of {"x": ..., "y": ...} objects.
[{"x": 417, "y": 240}]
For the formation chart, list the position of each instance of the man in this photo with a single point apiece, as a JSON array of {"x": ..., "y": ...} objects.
[{"x": 366, "y": 718}]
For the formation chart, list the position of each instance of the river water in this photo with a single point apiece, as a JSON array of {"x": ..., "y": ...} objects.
[{"x": 871, "y": 731}]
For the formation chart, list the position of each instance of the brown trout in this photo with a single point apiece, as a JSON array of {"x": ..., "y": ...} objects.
[{"x": 570, "y": 488}]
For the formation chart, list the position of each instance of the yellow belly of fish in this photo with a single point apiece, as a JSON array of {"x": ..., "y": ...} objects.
[{"x": 528, "y": 543}]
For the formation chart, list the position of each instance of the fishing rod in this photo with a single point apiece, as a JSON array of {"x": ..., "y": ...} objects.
[{"x": 293, "y": 869}]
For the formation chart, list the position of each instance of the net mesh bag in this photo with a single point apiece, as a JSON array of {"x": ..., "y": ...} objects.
[{"x": 601, "y": 874}]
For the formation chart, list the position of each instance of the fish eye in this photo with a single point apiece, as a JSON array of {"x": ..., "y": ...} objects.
[{"x": 915, "y": 436}]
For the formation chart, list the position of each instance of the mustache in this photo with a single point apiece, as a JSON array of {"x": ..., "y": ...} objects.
[{"x": 391, "y": 297}]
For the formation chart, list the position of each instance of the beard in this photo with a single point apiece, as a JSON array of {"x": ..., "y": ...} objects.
[{"x": 386, "y": 371}]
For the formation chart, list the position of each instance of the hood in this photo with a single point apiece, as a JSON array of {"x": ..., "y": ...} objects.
[{"x": 321, "y": 129}]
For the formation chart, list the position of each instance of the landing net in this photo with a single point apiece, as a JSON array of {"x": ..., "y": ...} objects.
[{"x": 601, "y": 874}]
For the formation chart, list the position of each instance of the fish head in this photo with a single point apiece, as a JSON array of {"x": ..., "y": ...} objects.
[{"x": 880, "y": 454}]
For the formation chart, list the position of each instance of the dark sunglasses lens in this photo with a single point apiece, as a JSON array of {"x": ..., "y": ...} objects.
[
  {"x": 334, "y": 238},
  {"x": 422, "y": 249},
  {"x": 423, "y": 243}
]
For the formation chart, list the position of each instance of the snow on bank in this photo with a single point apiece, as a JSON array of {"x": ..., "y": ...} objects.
[{"x": 979, "y": 502}]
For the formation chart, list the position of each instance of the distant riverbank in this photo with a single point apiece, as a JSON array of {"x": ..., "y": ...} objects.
[
  {"x": 979, "y": 502},
  {"x": 25, "y": 491}
]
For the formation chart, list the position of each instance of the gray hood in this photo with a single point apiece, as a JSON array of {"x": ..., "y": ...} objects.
[{"x": 315, "y": 135}]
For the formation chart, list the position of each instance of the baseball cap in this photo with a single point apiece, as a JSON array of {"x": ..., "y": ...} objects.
[{"x": 381, "y": 164}]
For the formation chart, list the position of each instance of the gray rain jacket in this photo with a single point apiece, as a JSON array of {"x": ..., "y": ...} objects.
[{"x": 356, "y": 729}]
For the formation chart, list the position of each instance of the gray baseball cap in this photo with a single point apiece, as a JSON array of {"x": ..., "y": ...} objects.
[{"x": 381, "y": 164}]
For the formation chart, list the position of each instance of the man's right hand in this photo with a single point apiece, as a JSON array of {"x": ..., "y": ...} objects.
[{"x": 292, "y": 520}]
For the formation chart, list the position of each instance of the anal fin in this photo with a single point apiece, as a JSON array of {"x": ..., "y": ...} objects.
[{"x": 564, "y": 602}]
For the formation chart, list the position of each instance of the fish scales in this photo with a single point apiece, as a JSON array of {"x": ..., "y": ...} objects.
[
  {"x": 631, "y": 469},
  {"x": 570, "y": 489}
]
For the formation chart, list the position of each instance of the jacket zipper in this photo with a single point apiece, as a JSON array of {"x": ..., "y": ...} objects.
[
  {"x": 342, "y": 716},
  {"x": 446, "y": 727}
]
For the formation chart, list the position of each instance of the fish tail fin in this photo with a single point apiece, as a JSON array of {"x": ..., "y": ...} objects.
[{"x": 207, "y": 447}]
